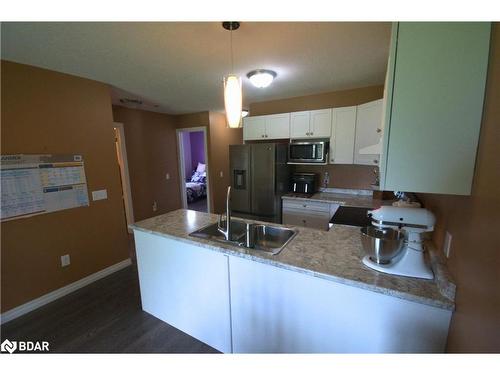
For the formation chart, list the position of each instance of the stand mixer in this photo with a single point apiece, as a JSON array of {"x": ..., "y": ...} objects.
[{"x": 409, "y": 259}]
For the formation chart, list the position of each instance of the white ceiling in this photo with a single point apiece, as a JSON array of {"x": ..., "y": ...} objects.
[{"x": 177, "y": 67}]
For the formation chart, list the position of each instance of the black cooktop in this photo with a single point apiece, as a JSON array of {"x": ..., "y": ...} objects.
[{"x": 355, "y": 216}]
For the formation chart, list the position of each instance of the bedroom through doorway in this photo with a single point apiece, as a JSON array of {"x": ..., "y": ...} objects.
[{"x": 193, "y": 168}]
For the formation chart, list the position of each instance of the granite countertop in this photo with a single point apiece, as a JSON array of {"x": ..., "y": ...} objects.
[
  {"x": 343, "y": 199},
  {"x": 333, "y": 255}
]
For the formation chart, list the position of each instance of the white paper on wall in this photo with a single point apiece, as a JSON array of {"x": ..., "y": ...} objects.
[{"x": 35, "y": 184}]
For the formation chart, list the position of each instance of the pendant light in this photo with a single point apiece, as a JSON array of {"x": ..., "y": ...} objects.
[{"x": 233, "y": 96}]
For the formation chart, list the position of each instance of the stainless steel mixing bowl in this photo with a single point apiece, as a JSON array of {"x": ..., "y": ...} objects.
[{"x": 382, "y": 245}]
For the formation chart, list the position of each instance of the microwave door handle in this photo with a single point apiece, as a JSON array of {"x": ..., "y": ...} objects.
[
  {"x": 306, "y": 187},
  {"x": 294, "y": 187},
  {"x": 314, "y": 151}
]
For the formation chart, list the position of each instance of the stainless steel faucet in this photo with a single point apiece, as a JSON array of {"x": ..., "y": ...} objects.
[{"x": 227, "y": 231}]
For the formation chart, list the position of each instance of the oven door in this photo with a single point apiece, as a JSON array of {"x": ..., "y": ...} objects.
[{"x": 307, "y": 153}]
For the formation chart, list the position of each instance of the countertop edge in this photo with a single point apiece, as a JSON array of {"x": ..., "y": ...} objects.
[{"x": 228, "y": 249}]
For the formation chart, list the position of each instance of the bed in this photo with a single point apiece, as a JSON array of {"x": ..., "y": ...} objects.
[{"x": 196, "y": 187}]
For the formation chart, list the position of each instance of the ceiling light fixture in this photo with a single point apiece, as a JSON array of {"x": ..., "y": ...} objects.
[
  {"x": 244, "y": 112},
  {"x": 261, "y": 77},
  {"x": 233, "y": 96}
]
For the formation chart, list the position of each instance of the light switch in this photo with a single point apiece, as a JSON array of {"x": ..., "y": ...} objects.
[
  {"x": 221, "y": 174},
  {"x": 167, "y": 176},
  {"x": 65, "y": 260},
  {"x": 99, "y": 195}
]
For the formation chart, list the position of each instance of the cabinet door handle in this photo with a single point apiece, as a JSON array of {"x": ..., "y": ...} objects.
[
  {"x": 379, "y": 130},
  {"x": 312, "y": 133},
  {"x": 375, "y": 161},
  {"x": 303, "y": 221},
  {"x": 304, "y": 205}
]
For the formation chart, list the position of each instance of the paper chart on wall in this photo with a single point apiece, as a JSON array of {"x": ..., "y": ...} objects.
[{"x": 36, "y": 184}]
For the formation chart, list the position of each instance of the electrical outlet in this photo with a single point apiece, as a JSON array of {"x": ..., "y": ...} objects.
[
  {"x": 65, "y": 260},
  {"x": 167, "y": 176},
  {"x": 155, "y": 206},
  {"x": 447, "y": 244}
]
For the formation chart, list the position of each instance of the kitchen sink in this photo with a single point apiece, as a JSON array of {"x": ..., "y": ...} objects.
[{"x": 261, "y": 237}]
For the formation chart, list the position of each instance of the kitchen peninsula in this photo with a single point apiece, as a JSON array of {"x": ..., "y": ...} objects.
[{"x": 240, "y": 300}]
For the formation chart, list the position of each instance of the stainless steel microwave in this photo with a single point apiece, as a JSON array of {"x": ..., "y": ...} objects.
[{"x": 308, "y": 152}]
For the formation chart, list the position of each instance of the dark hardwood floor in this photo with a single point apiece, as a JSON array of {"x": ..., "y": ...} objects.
[
  {"x": 103, "y": 317},
  {"x": 199, "y": 205}
]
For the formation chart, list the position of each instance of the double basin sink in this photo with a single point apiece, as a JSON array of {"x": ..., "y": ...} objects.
[{"x": 261, "y": 237}]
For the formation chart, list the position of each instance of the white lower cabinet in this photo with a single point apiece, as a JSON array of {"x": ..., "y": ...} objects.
[
  {"x": 186, "y": 286},
  {"x": 308, "y": 214},
  {"x": 274, "y": 310}
]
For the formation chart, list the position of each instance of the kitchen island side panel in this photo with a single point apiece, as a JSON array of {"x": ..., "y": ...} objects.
[{"x": 185, "y": 286}]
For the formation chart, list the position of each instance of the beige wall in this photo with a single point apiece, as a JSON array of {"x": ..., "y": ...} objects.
[
  {"x": 344, "y": 98},
  {"x": 474, "y": 222},
  {"x": 49, "y": 112},
  {"x": 151, "y": 153},
  {"x": 341, "y": 176}
]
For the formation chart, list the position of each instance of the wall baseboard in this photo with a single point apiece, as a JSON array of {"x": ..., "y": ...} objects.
[{"x": 61, "y": 292}]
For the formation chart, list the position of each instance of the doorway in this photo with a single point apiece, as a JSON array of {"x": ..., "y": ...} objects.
[
  {"x": 193, "y": 168},
  {"x": 121, "y": 154}
]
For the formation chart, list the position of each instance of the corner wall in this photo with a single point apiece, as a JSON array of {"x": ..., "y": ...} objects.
[
  {"x": 151, "y": 145},
  {"x": 220, "y": 138},
  {"x": 48, "y": 112}
]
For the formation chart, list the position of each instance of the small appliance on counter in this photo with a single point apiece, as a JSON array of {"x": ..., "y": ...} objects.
[
  {"x": 394, "y": 244},
  {"x": 303, "y": 183}
]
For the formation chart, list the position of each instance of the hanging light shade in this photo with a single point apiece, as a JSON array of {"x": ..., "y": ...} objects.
[
  {"x": 233, "y": 100},
  {"x": 233, "y": 97}
]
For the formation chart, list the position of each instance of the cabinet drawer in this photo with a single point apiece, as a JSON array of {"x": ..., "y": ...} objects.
[
  {"x": 306, "y": 205},
  {"x": 306, "y": 219}
]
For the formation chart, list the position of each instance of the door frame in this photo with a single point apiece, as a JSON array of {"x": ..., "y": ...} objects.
[
  {"x": 180, "y": 157},
  {"x": 125, "y": 177}
]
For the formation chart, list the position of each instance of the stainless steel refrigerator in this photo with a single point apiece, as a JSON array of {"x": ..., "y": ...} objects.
[{"x": 259, "y": 177}]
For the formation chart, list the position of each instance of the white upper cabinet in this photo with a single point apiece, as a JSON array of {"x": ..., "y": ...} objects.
[
  {"x": 368, "y": 131},
  {"x": 278, "y": 126},
  {"x": 299, "y": 124},
  {"x": 266, "y": 127},
  {"x": 311, "y": 124},
  {"x": 254, "y": 127},
  {"x": 320, "y": 123},
  {"x": 435, "y": 94},
  {"x": 342, "y": 137}
]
